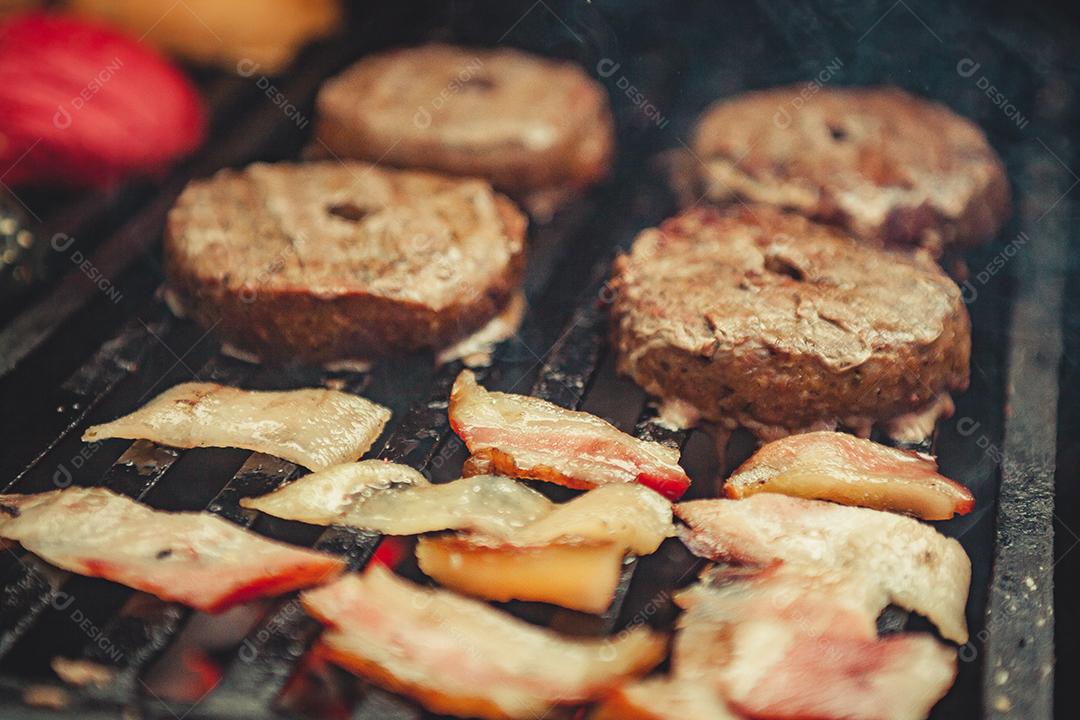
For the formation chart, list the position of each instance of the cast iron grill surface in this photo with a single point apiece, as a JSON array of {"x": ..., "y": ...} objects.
[{"x": 72, "y": 356}]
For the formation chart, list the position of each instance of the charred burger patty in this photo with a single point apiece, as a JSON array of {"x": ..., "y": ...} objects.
[{"x": 761, "y": 318}]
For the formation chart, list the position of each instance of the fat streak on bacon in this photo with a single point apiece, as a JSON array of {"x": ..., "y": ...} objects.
[
  {"x": 917, "y": 567},
  {"x": 851, "y": 471},
  {"x": 462, "y": 657},
  {"x": 197, "y": 559},
  {"x": 526, "y": 437},
  {"x": 312, "y": 427}
]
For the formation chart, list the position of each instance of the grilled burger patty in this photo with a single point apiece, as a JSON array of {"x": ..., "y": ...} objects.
[
  {"x": 524, "y": 122},
  {"x": 885, "y": 165},
  {"x": 332, "y": 261},
  {"x": 756, "y": 317}
]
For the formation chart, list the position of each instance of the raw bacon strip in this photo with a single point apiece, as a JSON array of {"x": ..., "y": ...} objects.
[
  {"x": 527, "y": 437},
  {"x": 197, "y": 559},
  {"x": 664, "y": 699},
  {"x": 313, "y": 427},
  {"x": 917, "y": 567},
  {"x": 462, "y": 657},
  {"x": 779, "y": 646},
  {"x": 851, "y": 471},
  {"x": 396, "y": 500}
]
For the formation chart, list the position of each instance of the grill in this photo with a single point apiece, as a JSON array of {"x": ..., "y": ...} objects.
[{"x": 73, "y": 355}]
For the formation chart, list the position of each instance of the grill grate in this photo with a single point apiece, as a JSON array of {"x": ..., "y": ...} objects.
[{"x": 55, "y": 366}]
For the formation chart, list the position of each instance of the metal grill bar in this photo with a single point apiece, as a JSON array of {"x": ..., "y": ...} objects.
[
  {"x": 27, "y": 593},
  {"x": 1018, "y": 675},
  {"x": 574, "y": 359},
  {"x": 134, "y": 474},
  {"x": 69, "y": 406}
]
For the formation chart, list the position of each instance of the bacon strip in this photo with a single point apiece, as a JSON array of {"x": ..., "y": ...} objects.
[
  {"x": 851, "y": 471},
  {"x": 462, "y": 657},
  {"x": 899, "y": 677},
  {"x": 527, "y": 437},
  {"x": 917, "y": 567},
  {"x": 313, "y": 427},
  {"x": 777, "y": 645},
  {"x": 522, "y": 546},
  {"x": 396, "y": 500},
  {"x": 197, "y": 559}
]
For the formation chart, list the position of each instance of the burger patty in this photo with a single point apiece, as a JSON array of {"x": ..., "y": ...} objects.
[
  {"x": 756, "y": 317},
  {"x": 885, "y": 165},
  {"x": 528, "y": 124},
  {"x": 323, "y": 262}
]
